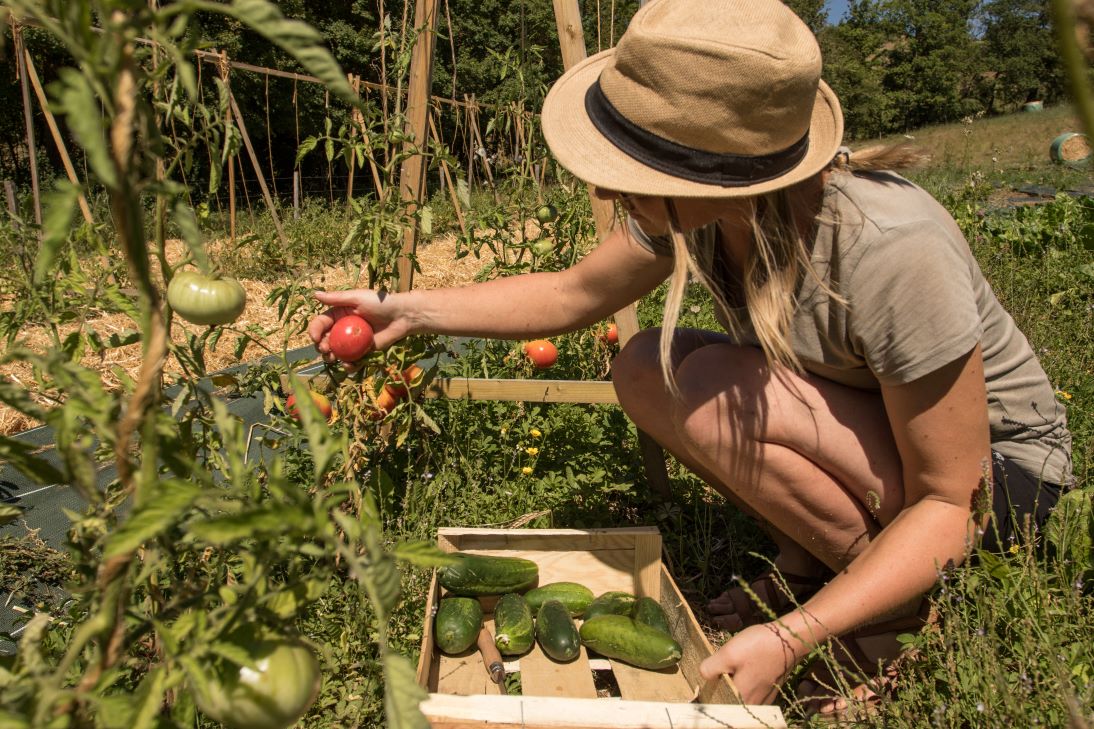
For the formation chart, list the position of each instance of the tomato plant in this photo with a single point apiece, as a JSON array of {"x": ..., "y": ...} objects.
[
  {"x": 350, "y": 338},
  {"x": 543, "y": 353},
  {"x": 277, "y": 685},
  {"x": 206, "y": 300}
]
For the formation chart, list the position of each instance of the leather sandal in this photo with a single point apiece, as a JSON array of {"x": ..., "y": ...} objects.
[{"x": 773, "y": 593}]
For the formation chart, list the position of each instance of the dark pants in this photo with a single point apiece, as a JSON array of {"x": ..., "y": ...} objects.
[{"x": 1020, "y": 504}]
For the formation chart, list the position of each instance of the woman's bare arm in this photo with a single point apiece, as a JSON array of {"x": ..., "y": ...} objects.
[{"x": 614, "y": 274}]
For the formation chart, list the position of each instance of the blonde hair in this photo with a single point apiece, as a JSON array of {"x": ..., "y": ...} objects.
[{"x": 776, "y": 264}]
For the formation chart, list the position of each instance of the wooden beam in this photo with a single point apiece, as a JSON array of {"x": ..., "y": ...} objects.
[
  {"x": 571, "y": 37},
  {"x": 522, "y": 390},
  {"x": 70, "y": 171},
  {"x": 412, "y": 185}
]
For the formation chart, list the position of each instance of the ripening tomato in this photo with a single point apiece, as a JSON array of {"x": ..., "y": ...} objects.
[
  {"x": 542, "y": 353},
  {"x": 321, "y": 401},
  {"x": 273, "y": 694},
  {"x": 386, "y": 401},
  {"x": 350, "y": 338},
  {"x": 206, "y": 300},
  {"x": 609, "y": 335},
  {"x": 405, "y": 380}
]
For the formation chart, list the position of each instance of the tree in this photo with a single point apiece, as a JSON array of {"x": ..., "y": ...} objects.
[{"x": 1021, "y": 51}]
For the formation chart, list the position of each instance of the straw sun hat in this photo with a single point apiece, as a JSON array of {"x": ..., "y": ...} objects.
[{"x": 700, "y": 98}]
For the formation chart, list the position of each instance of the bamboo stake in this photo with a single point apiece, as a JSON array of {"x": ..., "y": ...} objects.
[
  {"x": 51, "y": 122},
  {"x": 224, "y": 67},
  {"x": 32, "y": 149},
  {"x": 447, "y": 177},
  {"x": 353, "y": 154},
  {"x": 258, "y": 174}
]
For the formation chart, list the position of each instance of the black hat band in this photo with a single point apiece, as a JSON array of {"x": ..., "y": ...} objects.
[{"x": 695, "y": 165}]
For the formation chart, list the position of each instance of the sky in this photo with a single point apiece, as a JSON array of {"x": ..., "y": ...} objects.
[{"x": 836, "y": 9}]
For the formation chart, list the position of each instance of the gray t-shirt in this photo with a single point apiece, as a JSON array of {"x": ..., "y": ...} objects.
[{"x": 916, "y": 300}]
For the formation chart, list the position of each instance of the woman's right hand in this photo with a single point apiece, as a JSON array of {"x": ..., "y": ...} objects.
[{"x": 379, "y": 309}]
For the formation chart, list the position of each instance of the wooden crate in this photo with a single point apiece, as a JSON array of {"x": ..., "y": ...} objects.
[{"x": 558, "y": 695}]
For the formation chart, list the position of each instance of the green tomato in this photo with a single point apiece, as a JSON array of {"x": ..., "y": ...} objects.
[
  {"x": 273, "y": 695},
  {"x": 543, "y": 247},
  {"x": 546, "y": 214},
  {"x": 201, "y": 299}
]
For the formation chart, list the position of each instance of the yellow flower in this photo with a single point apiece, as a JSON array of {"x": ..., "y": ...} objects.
[
  {"x": 1064, "y": 394},
  {"x": 527, "y": 470},
  {"x": 531, "y": 451},
  {"x": 1013, "y": 549},
  {"x": 504, "y": 431},
  {"x": 534, "y": 432}
]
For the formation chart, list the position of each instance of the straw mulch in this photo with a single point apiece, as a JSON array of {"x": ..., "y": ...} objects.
[{"x": 439, "y": 269}]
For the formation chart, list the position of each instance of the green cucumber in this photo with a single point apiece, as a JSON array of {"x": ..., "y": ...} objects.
[
  {"x": 611, "y": 603},
  {"x": 476, "y": 574},
  {"x": 649, "y": 612},
  {"x": 627, "y": 640},
  {"x": 575, "y": 597},
  {"x": 514, "y": 632},
  {"x": 556, "y": 632},
  {"x": 457, "y": 624}
]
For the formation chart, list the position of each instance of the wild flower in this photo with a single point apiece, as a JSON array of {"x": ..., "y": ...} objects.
[
  {"x": 532, "y": 451},
  {"x": 535, "y": 433},
  {"x": 527, "y": 470}
]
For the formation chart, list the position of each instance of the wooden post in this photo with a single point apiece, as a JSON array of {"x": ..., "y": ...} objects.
[
  {"x": 296, "y": 194},
  {"x": 572, "y": 39},
  {"x": 412, "y": 175},
  {"x": 55, "y": 132},
  {"x": 9, "y": 194},
  {"x": 258, "y": 174},
  {"x": 32, "y": 149}
]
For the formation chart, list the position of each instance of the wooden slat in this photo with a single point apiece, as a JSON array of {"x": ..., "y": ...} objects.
[
  {"x": 647, "y": 565},
  {"x": 639, "y": 684},
  {"x": 465, "y": 674},
  {"x": 471, "y": 388},
  {"x": 541, "y": 676},
  {"x": 426, "y": 657},
  {"x": 535, "y": 712},
  {"x": 546, "y": 539},
  {"x": 696, "y": 647}
]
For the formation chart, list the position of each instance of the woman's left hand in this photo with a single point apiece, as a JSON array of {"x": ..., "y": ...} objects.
[{"x": 757, "y": 659}]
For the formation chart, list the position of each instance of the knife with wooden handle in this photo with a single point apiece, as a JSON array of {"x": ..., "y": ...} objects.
[{"x": 491, "y": 658}]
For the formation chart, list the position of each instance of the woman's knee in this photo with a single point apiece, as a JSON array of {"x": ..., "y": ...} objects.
[
  {"x": 721, "y": 385},
  {"x": 636, "y": 372}
]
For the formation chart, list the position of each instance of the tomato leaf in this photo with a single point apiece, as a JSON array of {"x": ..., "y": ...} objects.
[
  {"x": 74, "y": 97},
  {"x": 422, "y": 554},
  {"x": 21, "y": 456},
  {"x": 152, "y": 517},
  {"x": 9, "y": 513},
  {"x": 275, "y": 519},
  {"x": 187, "y": 223},
  {"x": 402, "y": 694},
  {"x": 60, "y": 209}
]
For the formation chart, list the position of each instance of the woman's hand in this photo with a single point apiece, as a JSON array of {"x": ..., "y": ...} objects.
[
  {"x": 381, "y": 310},
  {"x": 757, "y": 659}
]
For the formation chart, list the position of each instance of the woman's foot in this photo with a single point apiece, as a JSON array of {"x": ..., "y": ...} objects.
[{"x": 773, "y": 593}]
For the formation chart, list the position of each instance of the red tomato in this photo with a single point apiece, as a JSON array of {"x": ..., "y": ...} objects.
[
  {"x": 542, "y": 353},
  {"x": 350, "y": 338},
  {"x": 611, "y": 335},
  {"x": 319, "y": 399}
]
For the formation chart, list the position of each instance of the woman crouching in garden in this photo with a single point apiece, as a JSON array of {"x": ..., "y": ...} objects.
[{"x": 870, "y": 401}]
